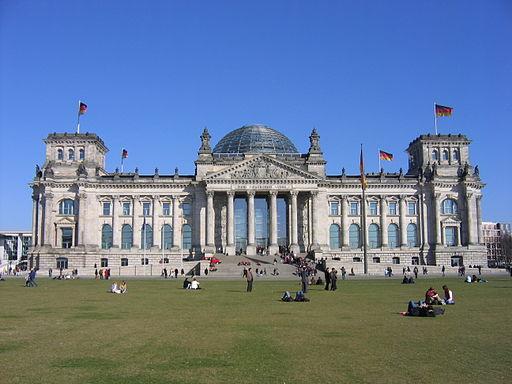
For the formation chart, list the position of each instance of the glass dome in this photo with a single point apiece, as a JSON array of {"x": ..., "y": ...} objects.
[{"x": 255, "y": 138}]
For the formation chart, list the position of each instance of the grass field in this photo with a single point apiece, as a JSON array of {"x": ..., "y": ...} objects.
[{"x": 75, "y": 332}]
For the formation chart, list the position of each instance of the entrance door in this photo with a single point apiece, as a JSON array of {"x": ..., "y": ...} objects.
[{"x": 240, "y": 225}]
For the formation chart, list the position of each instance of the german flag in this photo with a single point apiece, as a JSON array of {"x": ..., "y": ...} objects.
[
  {"x": 441, "y": 110},
  {"x": 385, "y": 155},
  {"x": 361, "y": 169},
  {"x": 82, "y": 108}
]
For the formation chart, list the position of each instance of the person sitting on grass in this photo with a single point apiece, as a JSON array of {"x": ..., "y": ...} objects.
[
  {"x": 123, "y": 287},
  {"x": 194, "y": 284},
  {"x": 114, "y": 288},
  {"x": 448, "y": 295},
  {"x": 186, "y": 283},
  {"x": 432, "y": 297}
]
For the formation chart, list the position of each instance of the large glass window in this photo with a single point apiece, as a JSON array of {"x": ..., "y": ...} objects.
[
  {"x": 166, "y": 236},
  {"x": 81, "y": 154},
  {"x": 334, "y": 236},
  {"x": 334, "y": 208},
  {"x": 146, "y": 236},
  {"x": 450, "y": 236},
  {"x": 186, "y": 232},
  {"x": 240, "y": 204},
  {"x": 67, "y": 237},
  {"x": 127, "y": 208},
  {"x": 456, "y": 156},
  {"x": 146, "y": 208},
  {"x": 71, "y": 154},
  {"x": 67, "y": 207},
  {"x": 282, "y": 221},
  {"x": 412, "y": 235},
  {"x": 411, "y": 207},
  {"x": 435, "y": 155},
  {"x": 126, "y": 236},
  {"x": 393, "y": 236},
  {"x": 392, "y": 208},
  {"x": 106, "y": 208},
  {"x": 106, "y": 236},
  {"x": 187, "y": 209},
  {"x": 261, "y": 221},
  {"x": 445, "y": 155},
  {"x": 166, "y": 209},
  {"x": 354, "y": 236},
  {"x": 373, "y": 236},
  {"x": 60, "y": 154},
  {"x": 449, "y": 207},
  {"x": 373, "y": 208},
  {"x": 354, "y": 208}
]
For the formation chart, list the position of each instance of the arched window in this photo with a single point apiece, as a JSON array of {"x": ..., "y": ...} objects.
[
  {"x": 412, "y": 235},
  {"x": 393, "y": 236},
  {"x": 60, "y": 154},
  {"x": 354, "y": 236},
  {"x": 81, "y": 154},
  {"x": 126, "y": 236},
  {"x": 435, "y": 155},
  {"x": 67, "y": 207},
  {"x": 146, "y": 234},
  {"x": 106, "y": 236},
  {"x": 445, "y": 155},
  {"x": 456, "y": 156},
  {"x": 167, "y": 237},
  {"x": 71, "y": 154},
  {"x": 334, "y": 236},
  {"x": 373, "y": 236},
  {"x": 449, "y": 207},
  {"x": 187, "y": 237}
]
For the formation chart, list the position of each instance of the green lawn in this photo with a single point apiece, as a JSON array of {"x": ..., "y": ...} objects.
[{"x": 75, "y": 332}]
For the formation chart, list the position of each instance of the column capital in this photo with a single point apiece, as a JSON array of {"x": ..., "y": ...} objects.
[
  {"x": 294, "y": 193},
  {"x": 82, "y": 196},
  {"x": 469, "y": 195},
  {"x": 384, "y": 198},
  {"x": 210, "y": 193},
  {"x": 437, "y": 195},
  {"x": 230, "y": 193},
  {"x": 403, "y": 197},
  {"x": 344, "y": 198},
  {"x": 156, "y": 197},
  {"x": 48, "y": 196},
  {"x": 314, "y": 193},
  {"x": 272, "y": 193},
  {"x": 251, "y": 193},
  {"x": 115, "y": 197}
]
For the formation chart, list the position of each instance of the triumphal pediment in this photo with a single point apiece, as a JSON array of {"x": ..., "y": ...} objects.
[{"x": 263, "y": 168}]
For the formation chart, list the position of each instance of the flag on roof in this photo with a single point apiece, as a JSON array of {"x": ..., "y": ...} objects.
[
  {"x": 361, "y": 169},
  {"x": 124, "y": 154},
  {"x": 82, "y": 108},
  {"x": 385, "y": 155},
  {"x": 442, "y": 110}
]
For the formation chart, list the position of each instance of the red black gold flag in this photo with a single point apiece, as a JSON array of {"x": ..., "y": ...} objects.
[
  {"x": 124, "y": 154},
  {"x": 385, "y": 155},
  {"x": 82, "y": 108},
  {"x": 361, "y": 169},
  {"x": 441, "y": 110}
]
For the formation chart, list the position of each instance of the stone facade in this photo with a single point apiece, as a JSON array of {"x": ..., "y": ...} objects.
[{"x": 83, "y": 215}]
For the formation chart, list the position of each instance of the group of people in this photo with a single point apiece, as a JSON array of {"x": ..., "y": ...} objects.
[
  {"x": 101, "y": 273},
  {"x": 425, "y": 308},
  {"x": 433, "y": 298},
  {"x": 30, "y": 279},
  {"x": 118, "y": 288},
  {"x": 171, "y": 273},
  {"x": 191, "y": 284}
]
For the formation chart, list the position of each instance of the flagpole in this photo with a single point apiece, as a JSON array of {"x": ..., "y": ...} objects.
[
  {"x": 363, "y": 213},
  {"x": 435, "y": 117},
  {"x": 122, "y": 160},
  {"x": 380, "y": 166},
  {"x": 78, "y": 120}
]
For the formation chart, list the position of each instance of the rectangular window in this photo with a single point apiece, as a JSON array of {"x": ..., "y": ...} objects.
[
  {"x": 146, "y": 209},
  {"x": 335, "y": 206},
  {"x": 124, "y": 262},
  {"x": 392, "y": 208},
  {"x": 166, "y": 209},
  {"x": 126, "y": 208},
  {"x": 67, "y": 237},
  {"x": 106, "y": 208},
  {"x": 411, "y": 207},
  {"x": 104, "y": 262},
  {"x": 62, "y": 263},
  {"x": 373, "y": 208},
  {"x": 187, "y": 209},
  {"x": 354, "y": 208},
  {"x": 450, "y": 234}
]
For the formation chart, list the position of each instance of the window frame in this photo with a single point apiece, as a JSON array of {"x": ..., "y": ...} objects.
[{"x": 166, "y": 208}]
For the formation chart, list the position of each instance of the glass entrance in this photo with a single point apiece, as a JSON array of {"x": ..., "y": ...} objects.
[
  {"x": 282, "y": 222},
  {"x": 240, "y": 225},
  {"x": 261, "y": 224}
]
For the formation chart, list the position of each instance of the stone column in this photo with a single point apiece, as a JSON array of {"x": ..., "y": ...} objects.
[
  {"x": 82, "y": 218},
  {"x": 49, "y": 228},
  {"x": 157, "y": 230},
  {"x": 176, "y": 227},
  {"x": 383, "y": 221},
  {"x": 294, "y": 233},
  {"x": 137, "y": 223},
  {"x": 273, "y": 223},
  {"x": 40, "y": 222},
  {"x": 116, "y": 231},
  {"x": 344, "y": 222},
  {"x": 314, "y": 213},
  {"x": 210, "y": 220},
  {"x": 437, "y": 217},
  {"x": 403, "y": 223},
  {"x": 35, "y": 204},
  {"x": 469, "y": 219},
  {"x": 479, "y": 219},
  {"x": 230, "y": 249},
  {"x": 251, "y": 246},
  {"x": 423, "y": 221}
]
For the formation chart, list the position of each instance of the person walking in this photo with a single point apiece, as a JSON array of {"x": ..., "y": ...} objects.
[
  {"x": 415, "y": 270},
  {"x": 334, "y": 279},
  {"x": 250, "y": 279},
  {"x": 327, "y": 278},
  {"x": 304, "y": 280},
  {"x": 442, "y": 270}
]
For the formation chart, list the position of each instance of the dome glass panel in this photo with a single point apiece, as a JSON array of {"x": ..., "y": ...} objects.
[{"x": 255, "y": 139}]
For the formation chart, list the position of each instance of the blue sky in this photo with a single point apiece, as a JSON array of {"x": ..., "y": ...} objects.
[{"x": 155, "y": 73}]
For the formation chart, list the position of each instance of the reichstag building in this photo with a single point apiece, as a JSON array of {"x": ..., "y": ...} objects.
[{"x": 254, "y": 192}]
